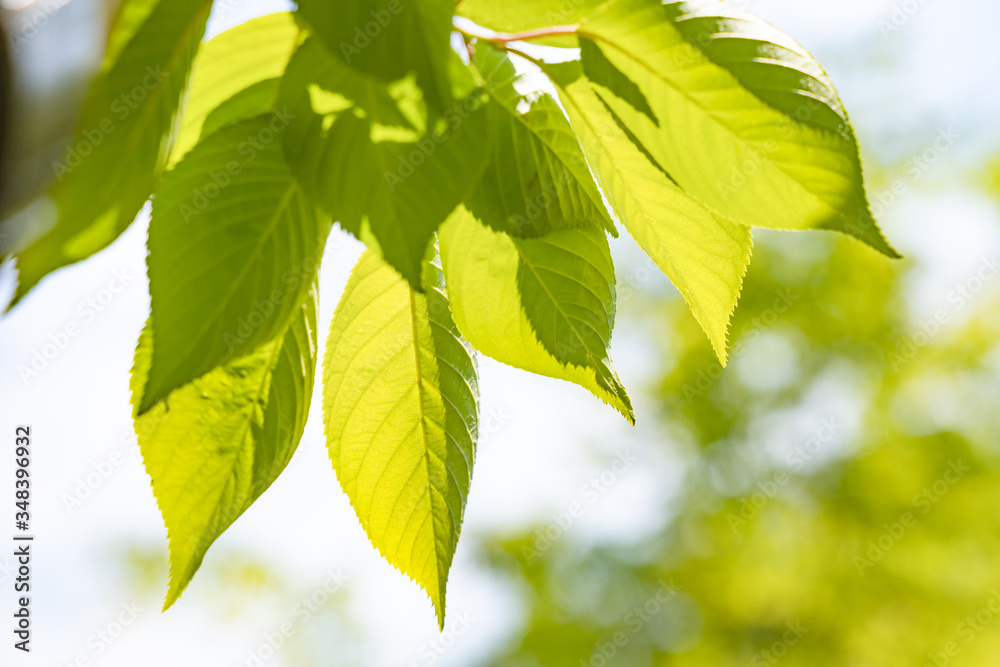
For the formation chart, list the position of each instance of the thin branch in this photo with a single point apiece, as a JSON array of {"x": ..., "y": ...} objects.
[
  {"x": 505, "y": 37},
  {"x": 521, "y": 54}
]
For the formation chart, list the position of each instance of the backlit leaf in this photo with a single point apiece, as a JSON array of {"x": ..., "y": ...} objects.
[
  {"x": 704, "y": 254},
  {"x": 233, "y": 247},
  {"x": 364, "y": 152},
  {"x": 389, "y": 39},
  {"x": 213, "y": 446},
  {"x": 545, "y": 305},
  {"x": 748, "y": 122},
  {"x": 123, "y": 141},
  {"x": 400, "y": 404},
  {"x": 235, "y": 77},
  {"x": 537, "y": 180}
]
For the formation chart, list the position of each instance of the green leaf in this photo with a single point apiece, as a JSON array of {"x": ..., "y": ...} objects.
[
  {"x": 598, "y": 68},
  {"x": 365, "y": 153},
  {"x": 129, "y": 17},
  {"x": 233, "y": 247},
  {"x": 235, "y": 77},
  {"x": 704, "y": 254},
  {"x": 749, "y": 124},
  {"x": 400, "y": 404},
  {"x": 537, "y": 180},
  {"x": 124, "y": 138},
  {"x": 389, "y": 39},
  {"x": 545, "y": 305},
  {"x": 515, "y": 16},
  {"x": 213, "y": 446}
]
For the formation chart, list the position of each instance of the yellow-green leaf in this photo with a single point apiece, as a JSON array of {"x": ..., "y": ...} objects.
[
  {"x": 400, "y": 404},
  {"x": 744, "y": 119},
  {"x": 235, "y": 76},
  {"x": 537, "y": 179},
  {"x": 545, "y": 305},
  {"x": 363, "y": 151},
  {"x": 233, "y": 246},
  {"x": 389, "y": 39},
  {"x": 213, "y": 446},
  {"x": 703, "y": 253}
]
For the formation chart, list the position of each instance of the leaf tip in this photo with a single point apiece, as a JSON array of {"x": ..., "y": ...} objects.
[
  {"x": 182, "y": 569},
  {"x": 169, "y": 601},
  {"x": 20, "y": 288},
  {"x": 175, "y": 588},
  {"x": 439, "y": 610},
  {"x": 722, "y": 353},
  {"x": 616, "y": 395},
  {"x": 868, "y": 232},
  {"x": 878, "y": 241}
]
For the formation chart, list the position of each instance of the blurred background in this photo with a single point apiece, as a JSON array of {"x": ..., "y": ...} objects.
[{"x": 831, "y": 498}]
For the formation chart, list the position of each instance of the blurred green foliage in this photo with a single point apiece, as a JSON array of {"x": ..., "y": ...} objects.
[{"x": 839, "y": 506}]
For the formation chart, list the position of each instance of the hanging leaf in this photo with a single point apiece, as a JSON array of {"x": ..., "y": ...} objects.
[
  {"x": 537, "y": 180},
  {"x": 704, "y": 254},
  {"x": 365, "y": 153},
  {"x": 748, "y": 122},
  {"x": 400, "y": 404},
  {"x": 123, "y": 142},
  {"x": 545, "y": 305},
  {"x": 235, "y": 77},
  {"x": 212, "y": 447},
  {"x": 233, "y": 247},
  {"x": 389, "y": 39}
]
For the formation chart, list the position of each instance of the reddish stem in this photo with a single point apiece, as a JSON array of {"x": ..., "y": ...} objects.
[{"x": 505, "y": 37}]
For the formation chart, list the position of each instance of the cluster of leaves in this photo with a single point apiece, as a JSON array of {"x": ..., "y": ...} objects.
[{"x": 485, "y": 209}]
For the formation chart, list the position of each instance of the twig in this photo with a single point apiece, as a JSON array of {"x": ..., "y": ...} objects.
[{"x": 505, "y": 37}]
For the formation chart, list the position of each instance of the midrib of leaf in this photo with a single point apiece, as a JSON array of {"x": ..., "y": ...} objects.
[
  {"x": 423, "y": 431},
  {"x": 779, "y": 165},
  {"x": 278, "y": 347},
  {"x": 234, "y": 284}
]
